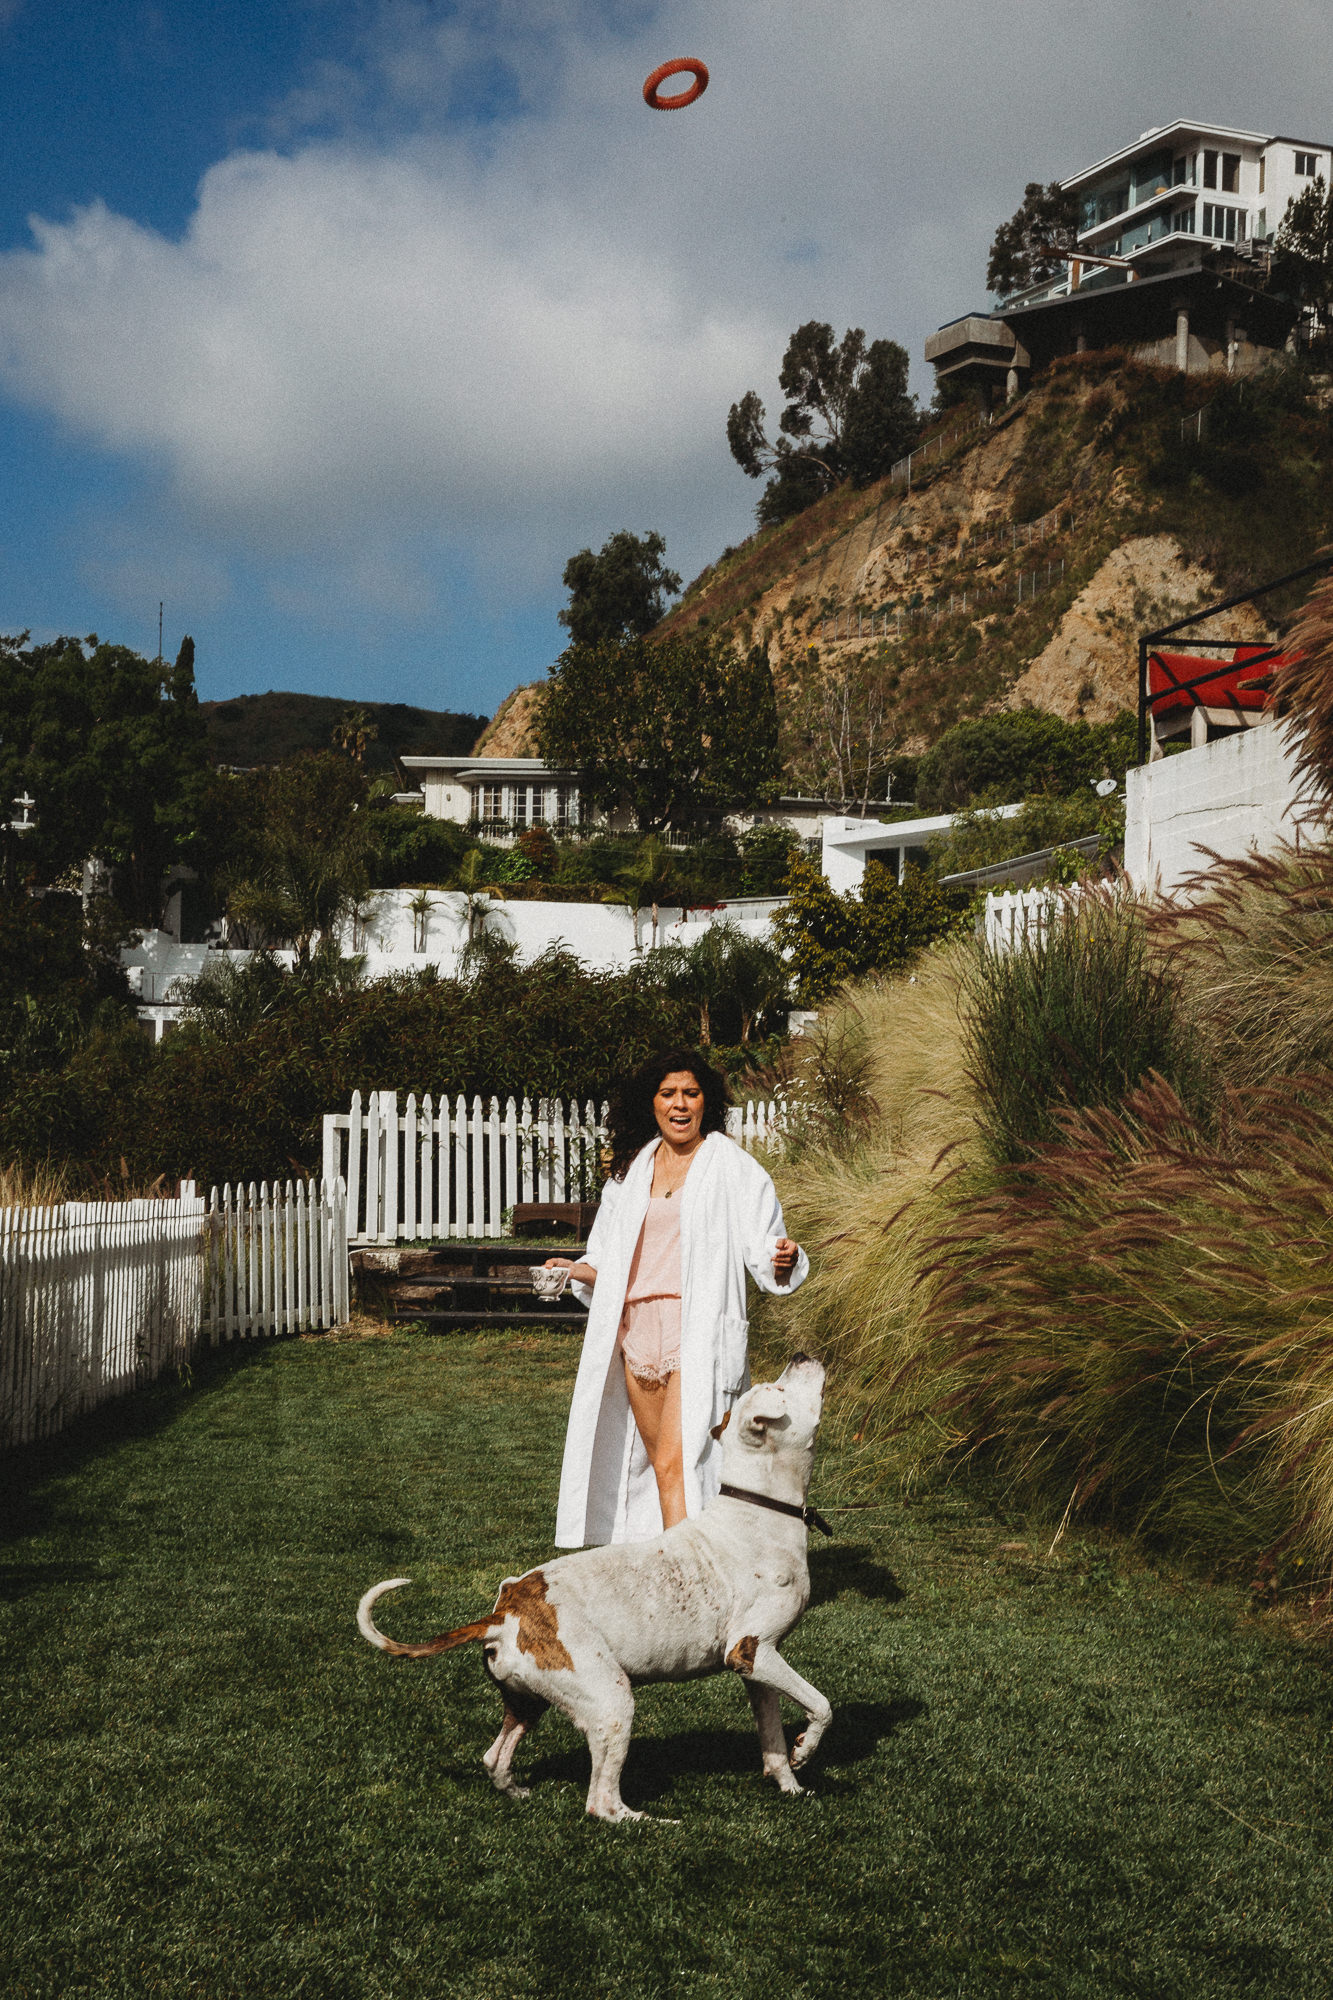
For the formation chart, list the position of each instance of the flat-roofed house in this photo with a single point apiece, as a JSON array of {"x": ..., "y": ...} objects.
[
  {"x": 1171, "y": 260},
  {"x": 500, "y": 796}
]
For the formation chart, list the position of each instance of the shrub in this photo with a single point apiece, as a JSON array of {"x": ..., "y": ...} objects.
[
  {"x": 1077, "y": 1016},
  {"x": 766, "y": 856},
  {"x": 998, "y": 758},
  {"x": 239, "y": 1090},
  {"x": 829, "y": 938},
  {"x": 981, "y": 836}
]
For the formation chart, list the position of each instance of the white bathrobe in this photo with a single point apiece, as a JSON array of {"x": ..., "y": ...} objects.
[{"x": 730, "y": 1222}]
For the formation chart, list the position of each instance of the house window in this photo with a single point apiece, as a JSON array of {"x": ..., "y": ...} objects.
[
  {"x": 492, "y": 802},
  {"x": 1231, "y": 173},
  {"x": 1307, "y": 165},
  {"x": 1223, "y": 224},
  {"x": 1210, "y": 170},
  {"x": 1263, "y": 170},
  {"x": 1182, "y": 222},
  {"x": 1179, "y": 171}
]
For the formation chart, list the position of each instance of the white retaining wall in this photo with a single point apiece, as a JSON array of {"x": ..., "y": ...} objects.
[
  {"x": 1235, "y": 796},
  {"x": 600, "y": 934}
]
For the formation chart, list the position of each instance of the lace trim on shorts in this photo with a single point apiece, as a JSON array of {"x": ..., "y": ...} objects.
[{"x": 650, "y": 1339}]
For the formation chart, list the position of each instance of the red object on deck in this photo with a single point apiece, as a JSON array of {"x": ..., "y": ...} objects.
[{"x": 1220, "y": 683}]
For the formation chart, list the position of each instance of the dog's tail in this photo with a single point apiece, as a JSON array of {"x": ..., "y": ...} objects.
[{"x": 444, "y": 1642}]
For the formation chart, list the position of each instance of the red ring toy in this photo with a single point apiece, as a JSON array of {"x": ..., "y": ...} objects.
[{"x": 684, "y": 65}]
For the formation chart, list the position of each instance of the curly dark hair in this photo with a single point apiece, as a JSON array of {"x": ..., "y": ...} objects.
[{"x": 631, "y": 1121}]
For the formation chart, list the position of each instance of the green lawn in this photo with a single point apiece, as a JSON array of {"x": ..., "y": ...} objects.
[{"x": 1044, "y": 1776}]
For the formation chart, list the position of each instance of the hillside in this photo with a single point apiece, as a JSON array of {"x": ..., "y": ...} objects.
[
  {"x": 266, "y": 728},
  {"x": 1028, "y": 555}
]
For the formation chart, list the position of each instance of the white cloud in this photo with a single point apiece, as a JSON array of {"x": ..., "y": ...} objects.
[{"x": 433, "y": 341}]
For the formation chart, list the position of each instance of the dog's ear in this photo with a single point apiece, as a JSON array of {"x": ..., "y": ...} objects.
[
  {"x": 763, "y": 1406},
  {"x": 718, "y": 1429}
]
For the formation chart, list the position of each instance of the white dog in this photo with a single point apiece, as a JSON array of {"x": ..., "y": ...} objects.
[{"x": 722, "y": 1590}]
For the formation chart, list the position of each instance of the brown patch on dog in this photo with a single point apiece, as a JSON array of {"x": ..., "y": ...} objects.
[
  {"x": 741, "y": 1657},
  {"x": 718, "y": 1429},
  {"x": 538, "y": 1629}
]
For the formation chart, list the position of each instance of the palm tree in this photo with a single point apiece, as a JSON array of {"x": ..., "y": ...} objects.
[
  {"x": 469, "y": 876},
  {"x": 644, "y": 879}
]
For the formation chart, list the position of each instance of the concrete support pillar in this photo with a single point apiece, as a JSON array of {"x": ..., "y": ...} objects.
[
  {"x": 1011, "y": 385},
  {"x": 1080, "y": 342},
  {"x": 1231, "y": 345},
  {"x": 1183, "y": 339}
]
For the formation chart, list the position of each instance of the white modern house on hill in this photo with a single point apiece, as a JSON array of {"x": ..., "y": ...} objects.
[
  {"x": 500, "y": 796},
  {"x": 1172, "y": 261}
]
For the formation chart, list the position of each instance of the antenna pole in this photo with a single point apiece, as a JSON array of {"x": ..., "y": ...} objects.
[{"x": 159, "y": 631}]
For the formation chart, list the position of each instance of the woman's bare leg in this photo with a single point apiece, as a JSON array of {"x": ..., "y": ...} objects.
[{"x": 655, "y": 1407}]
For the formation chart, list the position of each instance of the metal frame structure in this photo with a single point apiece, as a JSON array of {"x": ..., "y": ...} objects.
[{"x": 1150, "y": 640}]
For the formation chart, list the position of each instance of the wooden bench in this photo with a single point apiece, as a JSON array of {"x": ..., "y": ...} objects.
[
  {"x": 475, "y": 1284},
  {"x": 532, "y": 1216}
]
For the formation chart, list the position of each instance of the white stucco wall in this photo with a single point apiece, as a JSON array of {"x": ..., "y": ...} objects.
[
  {"x": 1236, "y": 796},
  {"x": 601, "y": 934}
]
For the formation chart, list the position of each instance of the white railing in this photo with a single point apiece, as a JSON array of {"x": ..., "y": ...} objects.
[
  {"x": 277, "y": 1260},
  {"x": 1011, "y": 916},
  {"x": 97, "y": 1298},
  {"x": 430, "y": 1172}
]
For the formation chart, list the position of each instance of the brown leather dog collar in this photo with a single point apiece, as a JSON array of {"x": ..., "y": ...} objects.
[{"x": 810, "y": 1515}]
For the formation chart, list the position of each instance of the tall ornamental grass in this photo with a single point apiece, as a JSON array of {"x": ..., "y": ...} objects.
[
  {"x": 869, "y": 1185},
  {"x": 1077, "y": 1016},
  {"x": 1138, "y": 1324},
  {"x": 1254, "y": 960}
]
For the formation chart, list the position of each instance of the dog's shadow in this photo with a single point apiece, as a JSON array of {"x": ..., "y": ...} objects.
[
  {"x": 656, "y": 1764},
  {"x": 851, "y": 1566}
]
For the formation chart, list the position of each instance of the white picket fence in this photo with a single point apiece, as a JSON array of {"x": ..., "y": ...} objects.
[
  {"x": 276, "y": 1260},
  {"x": 97, "y": 1298},
  {"x": 431, "y": 1172},
  {"x": 1011, "y": 916}
]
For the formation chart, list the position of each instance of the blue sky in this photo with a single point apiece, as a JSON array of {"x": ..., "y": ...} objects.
[{"x": 340, "y": 324}]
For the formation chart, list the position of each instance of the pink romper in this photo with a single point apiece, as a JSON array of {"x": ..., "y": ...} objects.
[{"x": 650, "y": 1323}]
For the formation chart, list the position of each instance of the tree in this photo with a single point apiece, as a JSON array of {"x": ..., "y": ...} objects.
[
  {"x": 997, "y": 759},
  {"x": 112, "y": 747},
  {"x": 848, "y": 416},
  {"x": 620, "y": 593},
  {"x": 1303, "y": 250},
  {"x": 352, "y": 732},
  {"x": 667, "y": 729},
  {"x": 1026, "y": 248},
  {"x": 644, "y": 879},
  {"x": 305, "y": 861}
]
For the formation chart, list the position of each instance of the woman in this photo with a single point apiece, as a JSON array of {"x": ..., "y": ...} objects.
[{"x": 684, "y": 1214}]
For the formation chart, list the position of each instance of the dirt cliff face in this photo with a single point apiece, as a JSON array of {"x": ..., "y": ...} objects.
[
  {"x": 1027, "y": 556},
  {"x": 512, "y": 730},
  {"x": 1021, "y": 563},
  {"x": 1089, "y": 669}
]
